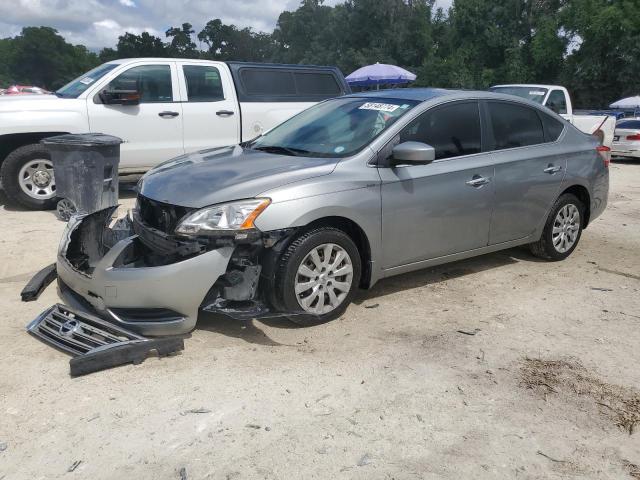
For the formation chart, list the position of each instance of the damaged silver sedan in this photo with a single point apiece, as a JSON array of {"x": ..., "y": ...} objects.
[{"x": 352, "y": 190}]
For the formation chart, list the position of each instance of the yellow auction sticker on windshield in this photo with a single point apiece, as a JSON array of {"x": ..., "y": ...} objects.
[{"x": 380, "y": 107}]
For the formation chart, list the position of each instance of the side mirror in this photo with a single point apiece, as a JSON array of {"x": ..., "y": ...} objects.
[
  {"x": 128, "y": 93},
  {"x": 413, "y": 153}
]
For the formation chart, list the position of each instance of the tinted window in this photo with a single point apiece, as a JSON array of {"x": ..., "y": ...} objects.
[
  {"x": 552, "y": 127},
  {"x": 453, "y": 130},
  {"x": 530, "y": 93},
  {"x": 557, "y": 101},
  {"x": 268, "y": 82},
  {"x": 514, "y": 125},
  {"x": 316, "y": 84},
  {"x": 153, "y": 81},
  {"x": 629, "y": 124},
  {"x": 203, "y": 83}
]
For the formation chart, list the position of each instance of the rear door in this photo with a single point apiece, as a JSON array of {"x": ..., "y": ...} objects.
[
  {"x": 442, "y": 208},
  {"x": 529, "y": 167},
  {"x": 152, "y": 130},
  {"x": 209, "y": 106}
]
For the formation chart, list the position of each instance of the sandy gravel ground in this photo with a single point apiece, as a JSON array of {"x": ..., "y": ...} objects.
[{"x": 547, "y": 387}]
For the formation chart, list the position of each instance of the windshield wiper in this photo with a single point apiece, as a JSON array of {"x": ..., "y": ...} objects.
[{"x": 279, "y": 149}]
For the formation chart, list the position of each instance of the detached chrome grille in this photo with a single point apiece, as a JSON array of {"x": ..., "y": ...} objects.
[
  {"x": 77, "y": 333},
  {"x": 161, "y": 216}
]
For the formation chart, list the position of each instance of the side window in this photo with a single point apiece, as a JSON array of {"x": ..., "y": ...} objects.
[
  {"x": 557, "y": 102},
  {"x": 552, "y": 127},
  {"x": 203, "y": 83},
  {"x": 153, "y": 82},
  {"x": 514, "y": 125},
  {"x": 267, "y": 82},
  {"x": 316, "y": 84},
  {"x": 453, "y": 130}
]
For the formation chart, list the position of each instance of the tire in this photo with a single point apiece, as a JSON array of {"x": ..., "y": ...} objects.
[
  {"x": 10, "y": 172},
  {"x": 305, "y": 310},
  {"x": 554, "y": 248}
]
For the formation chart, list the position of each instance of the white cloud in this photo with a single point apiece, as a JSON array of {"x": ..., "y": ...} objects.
[{"x": 128, "y": 3}]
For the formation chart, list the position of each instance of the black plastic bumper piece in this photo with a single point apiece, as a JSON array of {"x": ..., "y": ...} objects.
[
  {"x": 94, "y": 343},
  {"x": 38, "y": 283},
  {"x": 135, "y": 352}
]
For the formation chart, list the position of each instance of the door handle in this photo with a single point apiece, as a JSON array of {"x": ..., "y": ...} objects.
[
  {"x": 167, "y": 114},
  {"x": 224, "y": 113},
  {"x": 551, "y": 169},
  {"x": 478, "y": 181}
]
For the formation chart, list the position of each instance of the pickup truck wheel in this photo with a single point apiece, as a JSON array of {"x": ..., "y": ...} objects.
[
  {"x": 562, "y": 230},
  {"x": 317, "y": 276},
  {"x": 27, "y": 178}
]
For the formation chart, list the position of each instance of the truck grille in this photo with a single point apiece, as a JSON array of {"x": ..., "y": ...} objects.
[
  {"x": 161, "y": 216},
  {"x": 77, "y": 333}
]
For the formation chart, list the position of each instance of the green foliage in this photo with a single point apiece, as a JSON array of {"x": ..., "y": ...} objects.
[{"x": 591, "y": 46}]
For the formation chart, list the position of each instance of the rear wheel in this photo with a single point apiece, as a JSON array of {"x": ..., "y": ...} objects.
[
  {"x": 27, "y": 178},
  {"x": 317, "y": 276},
  {"x": 562, "y": 230}
]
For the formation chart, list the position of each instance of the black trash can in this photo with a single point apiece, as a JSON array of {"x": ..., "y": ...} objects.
[{"x": 85, "y": 167}]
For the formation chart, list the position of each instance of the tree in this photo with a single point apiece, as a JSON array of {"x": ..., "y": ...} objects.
[
  {"x": 181, "y": 44},
  {"x": 226, "y": 42},
  {"x": 40, "y": 56}
]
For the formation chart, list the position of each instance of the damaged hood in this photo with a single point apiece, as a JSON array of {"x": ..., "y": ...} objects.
[{"x": 225, "y": 174}]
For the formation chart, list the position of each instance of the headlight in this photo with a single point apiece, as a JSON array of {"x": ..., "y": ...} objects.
[{"x": 225, "y": 217}]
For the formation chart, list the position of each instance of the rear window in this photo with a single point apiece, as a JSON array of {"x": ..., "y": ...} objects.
[
  {"x": 514, "y": 125},
  {"x": 629, "y": 124},
  {"x": 316, "y": 83},
  {"x": 267, "y": 82},
  {"x": 552, "y": 127},
  {"x": 264, "y": 84}
]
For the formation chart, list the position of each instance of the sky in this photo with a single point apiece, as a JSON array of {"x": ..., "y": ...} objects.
[{"x": 97, "y": 24}]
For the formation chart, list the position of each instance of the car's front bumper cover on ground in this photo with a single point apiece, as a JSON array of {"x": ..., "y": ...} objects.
[{"x": 152, "y": 300}]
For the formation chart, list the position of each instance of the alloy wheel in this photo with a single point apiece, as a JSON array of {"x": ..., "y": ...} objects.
[
  {"x": 566, "y": 228},
  {"x": 324, "y": 279}
]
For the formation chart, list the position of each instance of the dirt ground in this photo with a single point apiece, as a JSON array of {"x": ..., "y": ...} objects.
[{"x": 544, "y": 384}]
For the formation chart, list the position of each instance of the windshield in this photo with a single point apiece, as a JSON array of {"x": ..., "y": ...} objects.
[
  {"x": 335, "y": 128},
  {"x": 74, "y": 88},
  {"x": 530, "y": 93}
]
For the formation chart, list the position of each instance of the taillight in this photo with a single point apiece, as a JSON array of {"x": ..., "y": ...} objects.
[
  {"x": 605, "y": 153},
  {"x": 633, "y": 137}
]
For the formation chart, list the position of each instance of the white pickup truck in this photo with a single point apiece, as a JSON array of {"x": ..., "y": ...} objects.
[
  {"x": 160, "y": 107},
  {"x": 557, "y": 98}
]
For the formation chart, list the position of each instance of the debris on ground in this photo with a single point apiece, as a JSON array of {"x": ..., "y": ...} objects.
[
  {"x": 3, "y": 446},
  {"x": 600, "y": 289},
  {"x": 569, "y": 378},
  {"x": 183, "y": 473},
  {"x": 469, "y": 332},
  {"x": 253, "y": 425},
  {"x": 375, "y": 305},
  {"x": 364, "y": 460},
  {"x": 196, "y": 410},
  {"x": 74, "y": 465},
  {"x": 96, "y": 344},
  {"x": 38, "y": 283}
]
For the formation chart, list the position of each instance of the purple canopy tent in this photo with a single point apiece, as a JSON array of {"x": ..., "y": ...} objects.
[{"x": 379, "y": 74}]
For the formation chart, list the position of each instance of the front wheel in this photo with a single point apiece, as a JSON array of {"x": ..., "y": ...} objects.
[
  {"x": 317, "y": 276},
  {"x": 27, "y": 178},
  {"x": 562, "y": 230}
]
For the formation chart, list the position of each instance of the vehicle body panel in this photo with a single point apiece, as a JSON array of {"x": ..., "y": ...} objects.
[{"x": 622, "y": 145}]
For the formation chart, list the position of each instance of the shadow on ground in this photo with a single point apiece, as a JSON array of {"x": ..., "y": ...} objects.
[{"x": 250, "y": 331}]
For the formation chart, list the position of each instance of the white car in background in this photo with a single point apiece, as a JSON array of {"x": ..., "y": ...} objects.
[
  {"x": 626, "y": 139},
  {"x": 159, "y": 107},
  {"x": 557, "y": 98}
]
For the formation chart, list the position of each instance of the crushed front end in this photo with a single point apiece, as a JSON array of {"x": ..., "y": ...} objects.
[{"x": 138, "y": 272}]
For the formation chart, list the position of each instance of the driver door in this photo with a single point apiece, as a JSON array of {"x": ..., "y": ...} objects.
[
  {"x": 444, "y": 207},
  {"x": 151, "y": 130}
]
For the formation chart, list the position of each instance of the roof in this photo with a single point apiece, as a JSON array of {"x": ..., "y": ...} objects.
[{"x": 418, "y": 94}]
